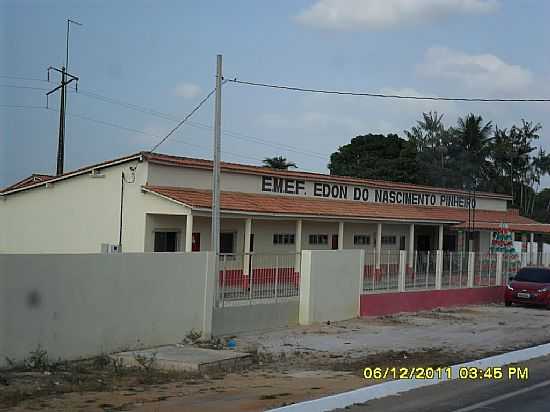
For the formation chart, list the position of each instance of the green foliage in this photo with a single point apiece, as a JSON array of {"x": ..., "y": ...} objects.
[
  {"x": 278, "y": 162},
  {"x": 472, "y": 155},
  {"x": 375, "y": 156}
]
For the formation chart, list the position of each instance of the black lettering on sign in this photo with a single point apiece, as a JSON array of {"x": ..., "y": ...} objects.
[
  {"x": 326, "y": 190},
  {"x": 343, "y": 192},
  {"x": 360, "y": 194},
  {"x": 392, "y": 196},
  {"x": 289, "y": 187},
  {"x": 300, "y": 186},
  {"x": 317, "y": 189},
  {"x": 378, "y": 196},
  {"x": 277, "y": 185},
  {"x": 432, "y": 200},
  {"x": 266, "y": 183}
]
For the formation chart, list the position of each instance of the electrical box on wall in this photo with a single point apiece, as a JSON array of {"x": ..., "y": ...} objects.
[{"x": 109, "y": 248}]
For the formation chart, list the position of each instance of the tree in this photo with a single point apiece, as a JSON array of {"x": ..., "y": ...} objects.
[
  {"x": 431, "y": 140},
  {"x": 470, "y": 149},
  {"x": 376, "y": 156},
  {"x": 278, "y": 162}
]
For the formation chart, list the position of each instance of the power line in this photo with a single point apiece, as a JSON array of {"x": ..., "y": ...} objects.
[
  {"x": 128, "y": 129},
  {"x": 198, "y": 125},
  {"x": 191, "y": 113},
  {"x": 381, "y": 95},
  {"x": 16, "y": 86},
  {"x": 33, "y": 79}
]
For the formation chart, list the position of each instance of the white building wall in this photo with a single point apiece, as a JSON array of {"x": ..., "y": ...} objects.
[
  {"x": 75, "y": 215},
  {"x": 251, "y": 183}
]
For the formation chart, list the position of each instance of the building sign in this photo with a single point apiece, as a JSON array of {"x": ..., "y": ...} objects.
[{"x": 298, "y": 187}]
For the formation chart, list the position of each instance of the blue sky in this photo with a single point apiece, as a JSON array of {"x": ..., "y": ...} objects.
[{"x": 161, "y": 55}]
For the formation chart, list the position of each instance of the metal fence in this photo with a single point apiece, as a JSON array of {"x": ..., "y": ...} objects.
[
  {"x": 422, "y": 274},
  {"x": 383, "y": 275},
  {"x": 485, "y": 269},
  {"x": 455, "y": 270},
  {"x": 257, "y": 277}
]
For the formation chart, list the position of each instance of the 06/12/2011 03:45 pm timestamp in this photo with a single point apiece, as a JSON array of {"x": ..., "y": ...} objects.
[{"x": 445, "y": 373}]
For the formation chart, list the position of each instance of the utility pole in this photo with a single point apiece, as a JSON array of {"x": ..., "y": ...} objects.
[
  {"x": 216, "y": 166},
  {"x": 66, "y": 78}
]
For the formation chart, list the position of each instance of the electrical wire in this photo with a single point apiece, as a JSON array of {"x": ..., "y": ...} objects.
[
  {"x": 129, "y": 129},
  {"x": 191, "y": 113},
  {"x": 198, "y": 125},
  {"x": 388, "y": 96}
]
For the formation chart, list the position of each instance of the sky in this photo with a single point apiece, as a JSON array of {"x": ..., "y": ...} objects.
[{"x": 143, "y": 65}]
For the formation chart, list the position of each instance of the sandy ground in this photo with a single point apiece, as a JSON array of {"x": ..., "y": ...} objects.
[{"x": 296, "y": 364}]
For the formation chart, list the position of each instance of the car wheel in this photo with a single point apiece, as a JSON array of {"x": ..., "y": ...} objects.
[{"x": 507, "y": 303}]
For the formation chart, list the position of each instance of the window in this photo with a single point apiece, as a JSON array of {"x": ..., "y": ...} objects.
[
  {"x": 389, "y": 240},
  {"x": 402, "y": 243},
  {"x": 318, "y": 239},
  {"x": 283, "y": 239},
  {"x": 227, "y": 242},
  {"x": 166, "y": 242},
  {"x": 361, "y": 240}
]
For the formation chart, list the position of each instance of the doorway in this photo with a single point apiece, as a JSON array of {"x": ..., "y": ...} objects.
[
  {"x": 423, "y": 243},
  {"x": 227, "y": 242}
]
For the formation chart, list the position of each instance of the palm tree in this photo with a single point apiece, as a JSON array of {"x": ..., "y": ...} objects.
[
  {"x": 278, "y": 162},
  {"x": 472, "y": 145}
]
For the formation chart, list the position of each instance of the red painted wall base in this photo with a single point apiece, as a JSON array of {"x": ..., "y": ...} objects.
[{"x": 395, "y": 302}]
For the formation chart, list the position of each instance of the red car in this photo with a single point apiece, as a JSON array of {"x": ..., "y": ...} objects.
[{"x": 530, "y": 286}]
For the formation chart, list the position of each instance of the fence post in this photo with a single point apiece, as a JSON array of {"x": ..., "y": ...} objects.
[
  {"x": 438, "y": 269},
  {"x": 471, "y": 263},
  {"x": 498, "y": 276},
  {"x": 402, "y": 270}
]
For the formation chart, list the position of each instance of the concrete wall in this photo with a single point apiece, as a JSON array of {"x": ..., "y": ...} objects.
[
  {"x": 83, "y": 305},
  {"x": 414, "y": 301},
  {"x": 330, "y": 282},
  {"x": 253, "y": 318}
]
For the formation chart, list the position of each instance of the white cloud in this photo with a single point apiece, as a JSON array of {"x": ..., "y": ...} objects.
[
  {"x": 383, "y": 14},
  {"x": 187, "y": 90},
  {"x": 483, "y": 73}
]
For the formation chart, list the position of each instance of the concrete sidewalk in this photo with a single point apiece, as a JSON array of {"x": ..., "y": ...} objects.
[{"x": 185, "y": 358}]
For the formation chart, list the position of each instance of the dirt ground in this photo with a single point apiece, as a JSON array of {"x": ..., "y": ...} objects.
[{"x": 291, "y": 365}]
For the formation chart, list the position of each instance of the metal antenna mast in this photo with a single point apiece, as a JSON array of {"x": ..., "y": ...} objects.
[{"x": 66, "y": 78}]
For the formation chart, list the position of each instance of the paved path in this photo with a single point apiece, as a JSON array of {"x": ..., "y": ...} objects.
[{"x": 512, "y": 395}]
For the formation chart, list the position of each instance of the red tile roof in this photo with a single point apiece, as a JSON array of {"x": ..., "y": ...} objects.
[
  {"x": 533, "y": 227},
  {"x": 28, "y": 181},
  {"x": 312, "y": 207}
]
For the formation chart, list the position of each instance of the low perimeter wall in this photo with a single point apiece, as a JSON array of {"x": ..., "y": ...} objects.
[
  {"x": 389, "y": 303},
  {"x": 254, "y": 318},
  {"x": 82, "y": 305}
]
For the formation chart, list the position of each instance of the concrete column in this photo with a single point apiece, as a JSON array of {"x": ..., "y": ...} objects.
[
  {"x": 246, "y": 251},
  {"x": 500, "y": 260},
  {"x": 340, "y": 235},
  {"x": 471, "y": 263},
  {"x": 411, "y": 247},
  {"x": 189, "y": 233},
  {"x": 378, "y": 245},
  {"x": 298, "y": 244},
  {"x": 524, "y": 248},
  {"x": 440, "y": 238},
  {"x": 402, "y": 270},
  {"x": 532, "y": 255},
  {"x": 438, "y": 268}
]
